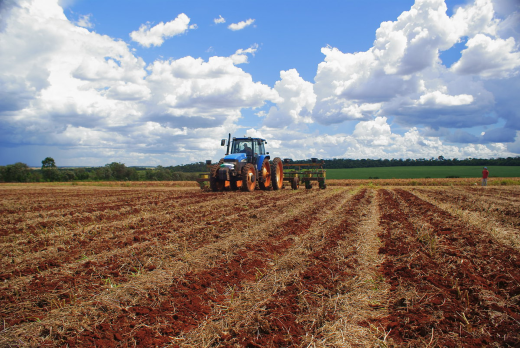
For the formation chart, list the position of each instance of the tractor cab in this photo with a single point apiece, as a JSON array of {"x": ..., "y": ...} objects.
[{"x": 249, "y": 150}]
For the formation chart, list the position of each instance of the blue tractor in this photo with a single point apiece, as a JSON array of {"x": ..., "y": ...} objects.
[{"x": 246, "y": 166}]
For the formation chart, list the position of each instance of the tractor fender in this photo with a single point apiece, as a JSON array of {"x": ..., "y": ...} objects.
[{"x": 260, "y": 161}]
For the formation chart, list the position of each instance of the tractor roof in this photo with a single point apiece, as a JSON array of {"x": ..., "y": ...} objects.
[{"x": 248, "y": 138}]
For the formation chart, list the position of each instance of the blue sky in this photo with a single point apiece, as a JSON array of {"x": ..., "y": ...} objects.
[{"x": 160, "y": 82}]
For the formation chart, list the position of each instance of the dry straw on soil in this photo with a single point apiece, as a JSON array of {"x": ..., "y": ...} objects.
[{"x": 161, "y": 265}]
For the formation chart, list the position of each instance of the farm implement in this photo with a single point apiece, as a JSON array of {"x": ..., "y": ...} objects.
[
  {"x": 247, "y": 166},
  {"x": 305, "y": 174}
]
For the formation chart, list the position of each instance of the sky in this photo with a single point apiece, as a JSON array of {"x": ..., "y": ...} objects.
[{"x": 160, "y": 82}]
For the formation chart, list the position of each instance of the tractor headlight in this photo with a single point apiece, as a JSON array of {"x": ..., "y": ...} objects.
[{"x": 230, "y": 166}]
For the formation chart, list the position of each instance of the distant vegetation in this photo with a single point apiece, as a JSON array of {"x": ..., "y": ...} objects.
[
  {"x": 417, "y": 172},
  {"x": 338, "y": 163},
  {"x": 49, "y": 172},
  {"x": 342, "y": 163},
  {"x": 115, "y": 171}
]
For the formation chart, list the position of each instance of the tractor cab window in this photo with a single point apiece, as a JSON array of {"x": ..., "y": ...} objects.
[
  {"x": 243, "y": 146},
  {"x": 260, "y": 148}
]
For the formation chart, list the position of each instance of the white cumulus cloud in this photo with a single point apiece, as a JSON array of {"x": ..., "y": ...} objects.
[
  {"x": 297, "y": 101},
  {"x": 61, "y": 84},
  {"x": 84, "y": 21},
  {"x": 240, "y": 56},
  {"x": 241, "y": 25},
  {"x": 219, "y": 20},
  {"x": 156, "y": 35},
  {"x": 403, "y": 75},
  {"x": 489, "y": 58},
  {"x": 439, "y": 98}
]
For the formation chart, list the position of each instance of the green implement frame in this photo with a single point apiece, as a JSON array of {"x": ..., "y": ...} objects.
[
  {"x": 305, "y": 173},
  {"x": 203, "y": 181}
]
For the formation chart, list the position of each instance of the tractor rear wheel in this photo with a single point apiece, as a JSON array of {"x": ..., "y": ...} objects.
[
  {"x": 248, "y": 178},
  {"x": 277, "y": 173},
  {"x": 295, "y": 183},
  {"x": 265, "y": 173},
  {"x": 214, "y": 183}
]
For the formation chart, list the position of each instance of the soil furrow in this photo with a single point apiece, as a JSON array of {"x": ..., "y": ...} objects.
[
  {"x": 88, "y": 280},
  {"x": 496, "y": 222},
  {"x": 153, "y": 266},
  {"x": 45, "y": 252},
  {"x": 512, "y": 194},
  {"x": 115, "y": 268},
  {"x": 452, "y": 284},
  {"x": 500, "y": 210},
  {"x": 296, "y": 309},
  {"x": 191, "y": 297}
]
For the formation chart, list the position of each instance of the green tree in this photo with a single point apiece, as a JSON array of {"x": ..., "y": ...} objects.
[
  {"x": 68, "y": 175},
  {"x": 103, "y": 173},
  {"x": 48, "y": 162},
  {"x": 133, "y": 175},
  {"x": 119, "y": 170},
  {"x": 81, "y": 174},
  {"x": 18, "y": 172},
  {"x": 49, "y": 170}
]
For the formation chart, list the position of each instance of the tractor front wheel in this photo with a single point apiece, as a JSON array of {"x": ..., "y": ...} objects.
[
  {"x": 277, "y": 173},
  {"x": 214, "y": 183},
  {"x": 248, "y": 178}
]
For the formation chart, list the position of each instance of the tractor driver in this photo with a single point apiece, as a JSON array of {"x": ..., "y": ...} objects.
[{"x": 247, "y": 150}]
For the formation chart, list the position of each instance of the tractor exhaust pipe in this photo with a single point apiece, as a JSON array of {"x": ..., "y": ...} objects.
[{"x": 228, "y": 143}]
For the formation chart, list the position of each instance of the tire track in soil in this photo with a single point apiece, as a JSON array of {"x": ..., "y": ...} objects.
[
  {"x": 464, "y": 292},
  {"x": 159, "y": 318},
  {"x": 297, "y": 312},
  {"x": 92, "y": 276}
]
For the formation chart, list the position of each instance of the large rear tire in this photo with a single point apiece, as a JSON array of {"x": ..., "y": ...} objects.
[
  {"x": 214, "y": 183},
  {"x": 277, "y": 173},
  {"x": 265, "y": 173},
  {"x": 248, "y": 178}
]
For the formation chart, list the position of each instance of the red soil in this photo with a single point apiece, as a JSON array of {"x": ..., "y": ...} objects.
[
  {"x": 450, "y": 284},
  {"x": 466, "y": 293}
]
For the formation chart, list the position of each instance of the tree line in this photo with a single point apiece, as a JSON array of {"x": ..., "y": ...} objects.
[
  {"x": 342, "y": 163},
  {"x": 21, "y": 172},
  {"x": 115, "y": 171}
]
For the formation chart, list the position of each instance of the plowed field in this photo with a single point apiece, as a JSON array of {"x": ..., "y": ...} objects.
[{"x": 346, "y": 266}]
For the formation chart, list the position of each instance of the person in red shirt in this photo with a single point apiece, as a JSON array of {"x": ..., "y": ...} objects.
[{"x": 485, "y": 174}]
